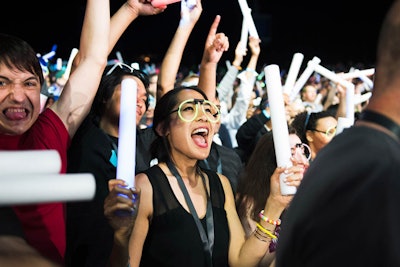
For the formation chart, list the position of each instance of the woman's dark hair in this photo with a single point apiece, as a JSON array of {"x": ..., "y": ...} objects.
[
  {"x": 160, "y": 147},
  {"x": 254, "y": 182},
  {"x": 108, "y": 84},
  {"x": 308, "y": 121},
  {"x": 15, "y": 52}
]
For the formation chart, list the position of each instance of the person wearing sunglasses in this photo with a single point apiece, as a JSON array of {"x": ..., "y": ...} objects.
[
  {"x": 315, "y": 129},
  {"x": 259, "y": 187},
  {"x": 187, "y": 214},
  {"x": 94, "y": 149}
]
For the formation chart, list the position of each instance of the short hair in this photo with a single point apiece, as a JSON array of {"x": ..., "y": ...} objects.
[
  {"x": 17, "y": 53},
  {"x": 108, "y": 84}
]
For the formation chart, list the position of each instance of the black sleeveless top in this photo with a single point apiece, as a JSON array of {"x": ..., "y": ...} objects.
[{"x": 173, "y": 238}]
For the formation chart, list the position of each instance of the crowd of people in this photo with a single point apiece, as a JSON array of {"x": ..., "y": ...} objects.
[{"x": 207, "y": 188}]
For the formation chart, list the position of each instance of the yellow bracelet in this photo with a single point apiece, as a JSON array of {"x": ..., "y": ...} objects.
[{"x": 265, "y": 231}]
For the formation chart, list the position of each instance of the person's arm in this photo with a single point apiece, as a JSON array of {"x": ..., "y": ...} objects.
[
  {"x": 74, "y": 102},
  {"x": 216, "y": 44},
  {"x": 254, "y": 44},
  {"x": 122, "y": 18},
  {"x": 237, "y": 115},
  {"x": 250, "y": 251},
  {"x": 225, "y": 87},
  {"x": 173, "y": 57}
]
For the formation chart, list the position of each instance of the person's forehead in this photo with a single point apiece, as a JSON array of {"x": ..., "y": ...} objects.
[
  {"x": 327, "y": 121},
  {"x": 15, "y": 74},
  {"x": 294, "y": 139},
  {"x": 189, "y": 94},
  {"x": 310, "y": 88}
]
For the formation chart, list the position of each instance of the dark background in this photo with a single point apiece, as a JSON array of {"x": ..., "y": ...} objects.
[{"x": 335, "y": 31}]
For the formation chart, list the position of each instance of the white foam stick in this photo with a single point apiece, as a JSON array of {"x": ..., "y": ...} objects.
[
  {"x": 45, "y": 188},
  {"x": 190, "y": 3},
  {"x": 244, "y": 35},
  {"x": 67, "y": 71},
  {"x": 368, "y": 83},
  {"x": 358, "y": 73},
  {"x": 294, "y": 69},
  {"x": 30, "y": 162},
  {"x": 304, "y": 77},
  {"x": 331, "y": 75},
  {"x": 43, "y": 99},
  {"x": 246, "y": 11},
  {"x": 342, "y": 124},
  {"x": 127, "y": 132},
  {"x": 358, "y": 99},
  {"x": 279, "y": 123},
  {"x": 349, "y": 89}
]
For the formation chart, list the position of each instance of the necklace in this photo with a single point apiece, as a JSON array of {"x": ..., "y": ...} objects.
[{"x": 208, "y": 242}]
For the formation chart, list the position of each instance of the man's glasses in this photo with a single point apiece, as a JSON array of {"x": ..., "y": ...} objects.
[
  {"x": 304, "y": 149},
  {"x": 330, "y": 132},
  {"x": 189, "y": 109}
]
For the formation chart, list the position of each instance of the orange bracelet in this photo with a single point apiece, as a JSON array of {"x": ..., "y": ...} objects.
[{"x": 268, "y": 220}]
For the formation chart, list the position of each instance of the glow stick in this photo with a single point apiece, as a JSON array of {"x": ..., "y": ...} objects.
[
  {"x": 127, "y": 132},
  {"x": 67, "y": 71},
  {"x": 304, "y": 77},
  {"x": 48, "y": 56},
  {"x": 35, "y": 162},
  {"x": 358, "y": 73},
  {"x": 280, "y": 130},
  {"x": 349, "y": 89},
  {"x": 246, "y": 11},
  {"x": 293, "y": 72},
  {"x": 45, "y": 188},
  {"x": 119, "y": 56},
  {"x": 161, "y": 3},
  {"x": 244, "y": 35},
  {"x": 59, "y": 64}
]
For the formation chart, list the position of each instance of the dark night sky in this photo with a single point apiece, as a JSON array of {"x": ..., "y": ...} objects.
[{"x": 335, "y": 31}]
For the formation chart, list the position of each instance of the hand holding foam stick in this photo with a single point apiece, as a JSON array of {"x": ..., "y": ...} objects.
[{"x": 280, "y": 130}]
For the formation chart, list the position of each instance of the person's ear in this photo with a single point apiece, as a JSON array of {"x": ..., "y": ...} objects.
[
  {"x": 309, "y": 137},
  {"x": 160, "y": 131}
]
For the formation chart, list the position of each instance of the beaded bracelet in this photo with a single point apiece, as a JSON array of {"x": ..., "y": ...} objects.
[
  {"x": 265, "y": 231},
  {"x": 260, "y": 236},
  {"x": 268, "y": 220}
]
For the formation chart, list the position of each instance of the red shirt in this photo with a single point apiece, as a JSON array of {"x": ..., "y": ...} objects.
[{"x": 43, "y": 224}]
